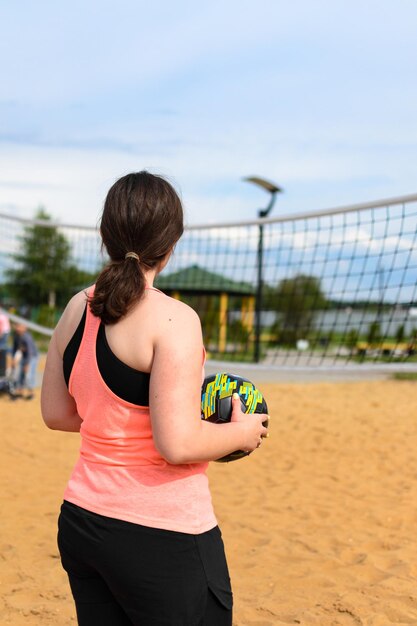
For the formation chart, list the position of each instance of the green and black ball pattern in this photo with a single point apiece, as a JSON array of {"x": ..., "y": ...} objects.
[{"x": 216, "y": 402}]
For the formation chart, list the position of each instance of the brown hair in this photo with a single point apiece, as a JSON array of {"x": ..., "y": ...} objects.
[{"x": 142, "y": 214}]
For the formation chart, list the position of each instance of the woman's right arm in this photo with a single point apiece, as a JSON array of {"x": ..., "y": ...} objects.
[
  {"x": 180, "y": 435},
  {"x": 58, "y": 407}
]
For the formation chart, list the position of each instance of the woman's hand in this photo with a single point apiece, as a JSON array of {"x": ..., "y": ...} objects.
[{"x": 252, "y": 423}]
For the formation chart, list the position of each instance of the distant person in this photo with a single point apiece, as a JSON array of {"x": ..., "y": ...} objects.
[
  {"x": 4, "y": 329},
  {"x": 25, "y": 362},
  {"x": 137, "y": 532}
]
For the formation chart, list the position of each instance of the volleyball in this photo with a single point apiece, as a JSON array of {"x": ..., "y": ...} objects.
[{"x": 216, "y": 402}]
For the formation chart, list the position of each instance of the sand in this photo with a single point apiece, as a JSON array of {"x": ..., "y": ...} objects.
[{"x": 319, "y": 523}]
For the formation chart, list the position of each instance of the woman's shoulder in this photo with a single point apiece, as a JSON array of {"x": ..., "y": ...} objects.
[
  {"x": 173, "y": 317},
  {"x": 172, "y": 306},
  {"x": 70, "y": 318},
  {"x": 75, "y": 307}
]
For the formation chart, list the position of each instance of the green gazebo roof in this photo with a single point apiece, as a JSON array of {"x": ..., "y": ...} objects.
[{"x": 195, "y": 279}]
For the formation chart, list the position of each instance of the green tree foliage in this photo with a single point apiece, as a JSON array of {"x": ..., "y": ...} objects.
[
  {"x": 238, "y": 333},
  {"x": 400, "y": 334},
  {"x": 43, "y": 273},
  {"x": 297, "y": 300},
  {"x": 352, "y": 339},
  {"x": 374, "y": 336}
]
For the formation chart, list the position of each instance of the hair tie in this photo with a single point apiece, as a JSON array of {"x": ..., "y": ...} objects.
[{"x": 132, "y": 255}]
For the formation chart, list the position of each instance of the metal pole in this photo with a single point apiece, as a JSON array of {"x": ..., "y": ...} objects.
[
  {"x": 258, "y": 304},
  {"x": 262, "y": 214},
  {"x": 381, "y": 294}
]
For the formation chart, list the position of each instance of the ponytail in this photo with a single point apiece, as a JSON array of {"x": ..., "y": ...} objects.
[
  {"x": 142, "y": 221},
  {"x": 119, "y": 286}
]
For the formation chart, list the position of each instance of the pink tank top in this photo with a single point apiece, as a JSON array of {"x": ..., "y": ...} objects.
[{"x": 119, "y": 472}]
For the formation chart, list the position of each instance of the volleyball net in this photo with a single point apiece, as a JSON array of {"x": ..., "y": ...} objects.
[{"x": 322, "y": 289}]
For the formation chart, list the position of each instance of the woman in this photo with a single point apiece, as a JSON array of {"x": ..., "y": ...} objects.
[{"x": 137, "y": 533}]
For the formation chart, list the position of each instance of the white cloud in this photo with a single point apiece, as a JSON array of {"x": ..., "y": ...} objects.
[{"x": 319, "y": 97}]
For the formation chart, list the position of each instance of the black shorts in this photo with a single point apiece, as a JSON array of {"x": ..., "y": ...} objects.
[{"x": 122, "y": 573}]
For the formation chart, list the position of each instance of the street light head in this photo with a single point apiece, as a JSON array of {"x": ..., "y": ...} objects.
[
  {"x": 265, "y": 184},
  {"x": 268, "y": 186}
]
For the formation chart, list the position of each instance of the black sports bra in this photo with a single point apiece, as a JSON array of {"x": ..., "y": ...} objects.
[{"x": 124, "y": 381}]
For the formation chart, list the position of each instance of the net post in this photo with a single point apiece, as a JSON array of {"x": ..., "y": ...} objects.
[{"x": 258, "y": 303}]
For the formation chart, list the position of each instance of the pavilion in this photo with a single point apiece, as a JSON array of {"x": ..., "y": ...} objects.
[{"x": 196, "y": 281}]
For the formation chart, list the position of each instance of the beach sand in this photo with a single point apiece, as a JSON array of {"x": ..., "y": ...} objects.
[{"x": 319, "y": 523}]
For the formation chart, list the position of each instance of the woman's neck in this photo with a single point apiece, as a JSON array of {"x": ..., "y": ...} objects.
[{"x": 150, "y": 276}]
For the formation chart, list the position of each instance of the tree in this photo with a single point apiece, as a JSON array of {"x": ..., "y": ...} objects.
[
  {"x": 297, "y": 300},
  {"x": 374, "y": 336},
  {"x": 400, "y": 334},
  {"x": 351, "y": 339},
  {"x": 43, "y": 272}
]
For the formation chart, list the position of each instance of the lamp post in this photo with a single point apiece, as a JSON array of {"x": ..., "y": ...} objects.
[
  {"x": 262, "y": 213},
  {"x": 381, "y": 285}
]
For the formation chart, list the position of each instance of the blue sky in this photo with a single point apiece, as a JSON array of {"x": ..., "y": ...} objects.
[{"x": 319, "y": 97}]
